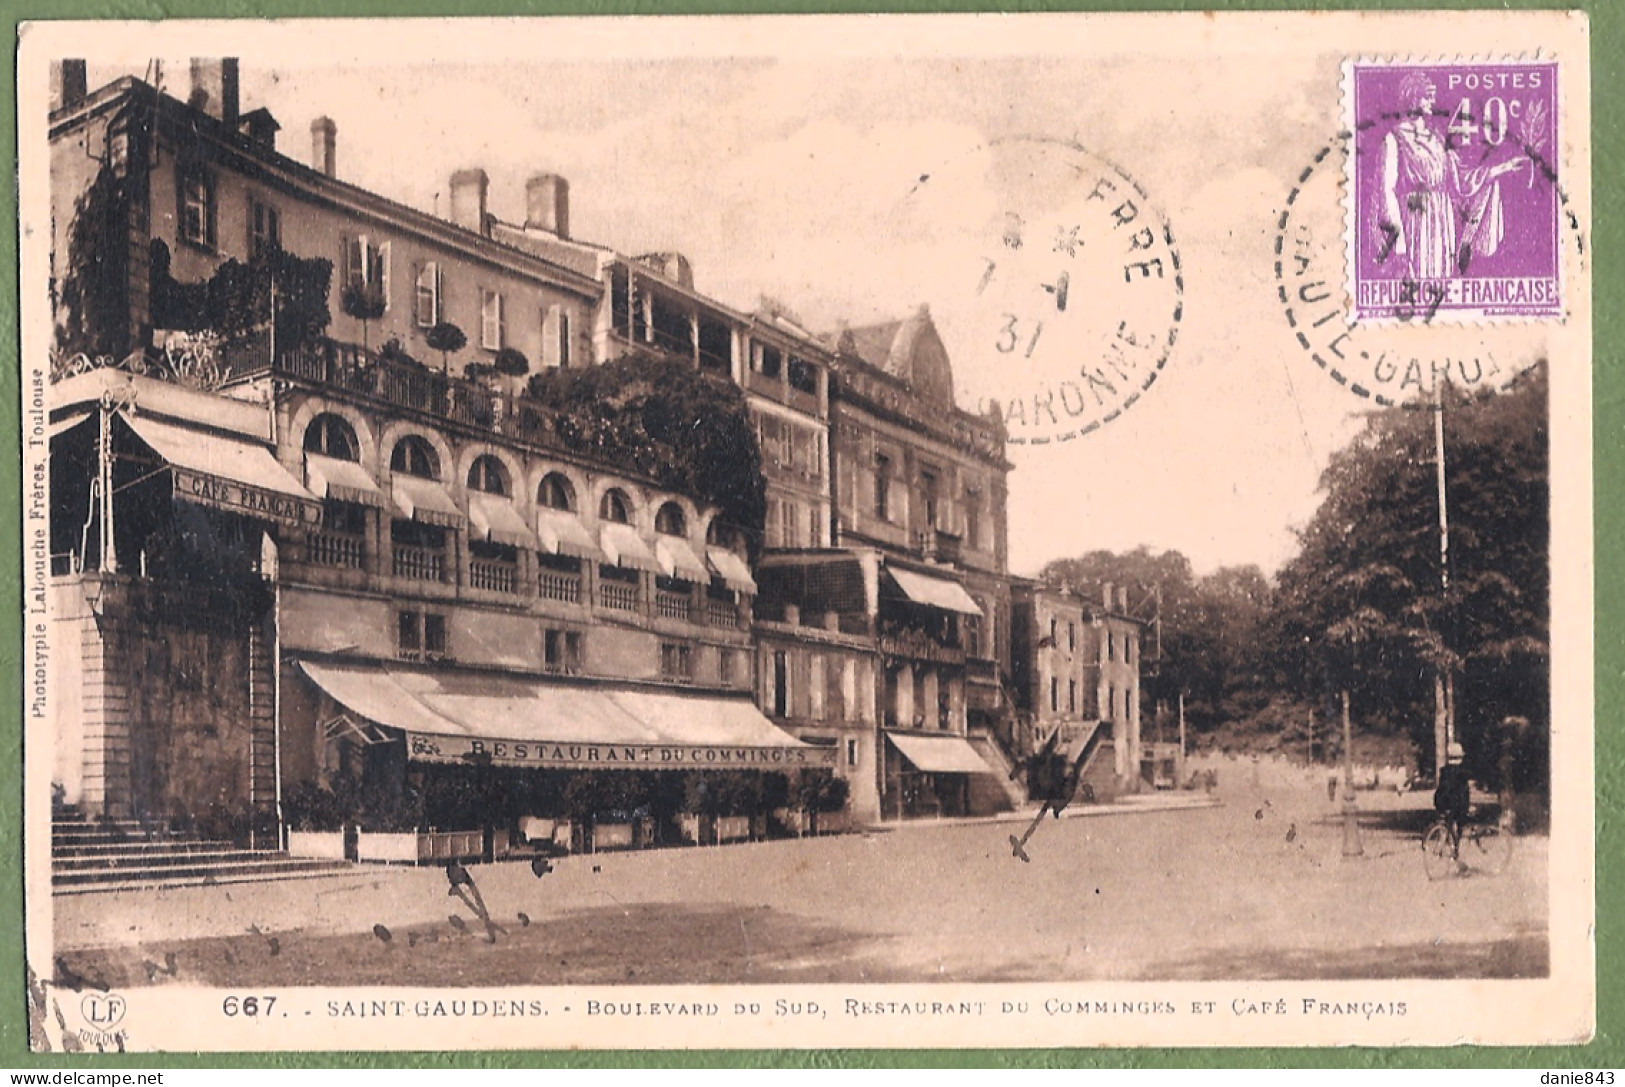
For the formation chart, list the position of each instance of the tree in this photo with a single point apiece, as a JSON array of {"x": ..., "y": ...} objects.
[
  {"x": 94, "y": 295},
  {"x": 364, "y": 302},
  {"x": 445, "y": 338},
  {"x": 1361, "y": 607},
  {"x": 511, "y": 361}
]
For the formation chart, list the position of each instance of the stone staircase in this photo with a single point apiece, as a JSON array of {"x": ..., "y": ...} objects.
[{"x": 95, "y": 854}]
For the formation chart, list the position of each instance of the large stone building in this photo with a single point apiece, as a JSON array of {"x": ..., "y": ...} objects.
[{"x": 291, "y": 556}]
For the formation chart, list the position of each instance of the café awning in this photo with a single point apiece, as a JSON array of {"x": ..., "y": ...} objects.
[
  {"x": 424, "y": 500},
  {"x": 677, "y": 559},
  {"x": 494, "y": 518},
  {"x": 731, "y": 569},
  {"x": 939, "y": 754},
  {"x": 343, "y": 480},
  {"x": 623, "y": 546},
  {"x": 449, "y": 716},
  {"x": 562, "y": 533},
  {"x": 935, "y": 592},
  {"x": 227, "y": 473}
]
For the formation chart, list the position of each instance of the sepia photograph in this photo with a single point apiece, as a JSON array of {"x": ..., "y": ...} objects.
[{"x": 807, "y": 531}]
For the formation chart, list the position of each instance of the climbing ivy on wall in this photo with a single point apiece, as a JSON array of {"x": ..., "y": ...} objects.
[{"x": 94, "y": 289}]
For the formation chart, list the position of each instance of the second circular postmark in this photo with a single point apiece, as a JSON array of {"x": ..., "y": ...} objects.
[{"x": 1058, "y": 285}]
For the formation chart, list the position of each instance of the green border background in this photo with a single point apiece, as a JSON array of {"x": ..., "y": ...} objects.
[{"x": 1608, "y": 399}]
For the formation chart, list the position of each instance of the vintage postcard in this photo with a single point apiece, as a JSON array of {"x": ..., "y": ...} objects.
[{"x": 782, "y": 532}]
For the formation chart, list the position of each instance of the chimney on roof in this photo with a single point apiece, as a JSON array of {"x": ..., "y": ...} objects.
[
  {"x": 1106, "y": 595},
  {"x": 71, "y": 85},
  {"x": 324, "y": 136},
  {"x": 547, "y": 204},
  {"x": 214, "y": 88},
  {"x": 261, "y": 127},
  {"x": 468, "y": 190}
]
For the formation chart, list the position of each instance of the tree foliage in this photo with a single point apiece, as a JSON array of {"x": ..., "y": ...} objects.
[
  {"x": 236, "y": 301},
  {"x": 1363, "y": 606},
  {"x": 689, "y": 432}
]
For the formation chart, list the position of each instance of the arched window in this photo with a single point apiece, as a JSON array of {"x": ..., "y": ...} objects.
[
  {"x": 669, "y": 520},
  {"x": 556, "y": 493},
  {"x": 615, "y": 507},
  {"x": 721, "y": 534},
  {"x": 330, "y": 436},
  {"x": 414, "y": 456},
  {"x": 487, "y": 474}
]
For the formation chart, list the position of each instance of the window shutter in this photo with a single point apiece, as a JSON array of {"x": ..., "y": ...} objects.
[
  {"x": 564, "y": 339},
  {"x": 550, "y": 337},
  {"x": 345, "y": 265},
  {"x": 502, "y": 337},
  {"x": 383, "y": 268}
]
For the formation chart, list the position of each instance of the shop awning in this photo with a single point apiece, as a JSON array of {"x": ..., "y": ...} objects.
[
  {"x": 494, "y": 518},
  {"x": 425, "y": 500},
  {"x": 731, "y": 569},
  {"x": 343, "y": 480},
  {"x": 934, "y": 592},
  {"x": 450, "y": 716},
  {"x": 677, "y": 559},
  {"x": 623, "y": 546},
  {"x": 562, "y": 533},
  {"x": 228, "y": 474},
  {"x": 939, "y": 754},
  {"x": 67, "y": 423}
]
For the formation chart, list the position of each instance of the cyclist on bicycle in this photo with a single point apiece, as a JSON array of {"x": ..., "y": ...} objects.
[{"x": 1453, "y": 798}]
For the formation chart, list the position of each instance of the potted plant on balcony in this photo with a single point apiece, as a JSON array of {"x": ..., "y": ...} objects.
[
  {"x": 445, "y": 338},
  {"x": 364, "y": 302}
]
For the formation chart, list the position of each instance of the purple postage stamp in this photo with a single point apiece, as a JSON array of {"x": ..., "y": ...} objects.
[{"x": 1453, "y": 191}]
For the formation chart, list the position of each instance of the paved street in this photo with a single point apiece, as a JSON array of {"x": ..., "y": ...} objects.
[{"x": 1254, "y": 888}]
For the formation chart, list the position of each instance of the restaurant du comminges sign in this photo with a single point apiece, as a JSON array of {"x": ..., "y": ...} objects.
[{"x": 428, "y": 748}]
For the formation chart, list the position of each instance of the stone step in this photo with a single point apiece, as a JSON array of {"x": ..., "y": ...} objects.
[
  {"x": 60, "y": 838},
  {"x": 187, "y": 852},
  {"x": 272, "y": 866}
]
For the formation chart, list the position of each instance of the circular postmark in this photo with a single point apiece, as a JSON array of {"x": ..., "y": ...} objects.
[
  {"x": 1058, "y": 286},
  {"x": 1426, "y": 248}
]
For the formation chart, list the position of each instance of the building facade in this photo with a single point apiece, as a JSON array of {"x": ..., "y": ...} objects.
[{"x": 304, "y": 537}]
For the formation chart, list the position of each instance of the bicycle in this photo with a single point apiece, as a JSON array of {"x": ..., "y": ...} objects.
[{"x": 1474, "y": 847}]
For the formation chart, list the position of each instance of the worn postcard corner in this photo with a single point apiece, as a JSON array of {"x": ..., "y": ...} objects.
[{"x": 1056, "y": 530}]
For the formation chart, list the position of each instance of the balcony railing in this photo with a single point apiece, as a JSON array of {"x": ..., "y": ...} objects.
[
  {"x": 420, "y": 563},
  {"x": 720, "y": 613},
  {"x": 669, "y": 605},
  {"x": 565, "y": 588},
  {"x": 618, "y": 597},
  {"x": 495, "y": 577},
  {"x": 334, "y": 549}
]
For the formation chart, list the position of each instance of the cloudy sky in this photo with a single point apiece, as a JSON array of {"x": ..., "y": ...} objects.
[{"x": 776, "y": 155}]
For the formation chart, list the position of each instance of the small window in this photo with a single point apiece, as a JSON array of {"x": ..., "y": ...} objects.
[
  {"x": 727, "y": 667},
  {"x": 1072, "y": 696},
  {"x": 556, "y": 337},
  {"x": 420, "y": 635},
  {"x": 488, "y": 475},
  {"x": 1054, "y": 694},
  {"x": 1128, "y": 651},
  {"x": 1111, "y": 646},
  {"x": 615, "y": 507},
  {"x": 973, "y": 519},
  {"x": 197, "y": 207},
  {"x": 366, "y": 264},
  {"x": 669, "y": 520},
  {"x": 676, "y": 661},
  {"x": 491, "y": 330},
  {"x": 803, "y": 376},
  {"x": 349, "y": 518},
  {"x": 556, "y": 493},
  {"x": 851, "y": 753},
  {"x": 928, "y": 496},
  {"x": 434, "y": 635},
  {"x": 264, "y": 229},
  {"x": 781, "y": 683},
  {"x": 882, "y": 486},
  {"x": 1052, "y": 632},
  {"x": 1071, "y": 637},
  {"x": 561, "y": 651},
  {"x": 331, "y": 436},
  {"x": 426, "y": 303},
  {"x": 767, "y": 360},
  {"x": 414, "y": 456}
]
